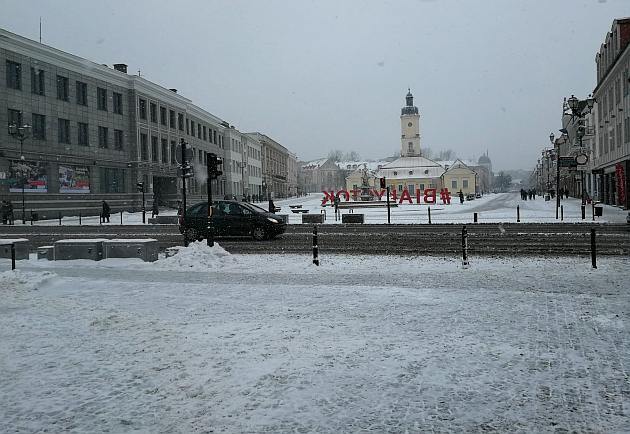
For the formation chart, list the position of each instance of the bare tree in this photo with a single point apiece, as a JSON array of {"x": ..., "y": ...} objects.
[{"x": 335, "y": 155}]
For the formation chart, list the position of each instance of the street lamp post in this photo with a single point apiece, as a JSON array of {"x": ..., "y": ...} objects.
[{"x": 21, "y": 133}]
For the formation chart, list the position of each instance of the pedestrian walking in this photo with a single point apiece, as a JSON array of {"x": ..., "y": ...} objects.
[
  {"x": 10, "y": 216},
  {"x": 4, "y": 212},
  {"x": 105, "y": 212},
  {"x": 155, "y": 210},
  {"x": 272, "y": 207},
  {"x": 461, "y": 196}
]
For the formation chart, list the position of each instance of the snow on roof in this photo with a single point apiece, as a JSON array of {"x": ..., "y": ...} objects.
[
  {"x": 411, "y": 162},
  {"x": 354, "y": 165},
  {"x": 315, "y": 163}
]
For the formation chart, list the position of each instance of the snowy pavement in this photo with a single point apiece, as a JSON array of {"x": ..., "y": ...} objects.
[
  {"x": 212, "y": 342},
  {"x": 491, "y": 208}
]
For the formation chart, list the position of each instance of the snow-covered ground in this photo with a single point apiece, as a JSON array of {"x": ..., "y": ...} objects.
[
  {"x": 490, "y": 208},
  {"x": 213, "y": 342}
]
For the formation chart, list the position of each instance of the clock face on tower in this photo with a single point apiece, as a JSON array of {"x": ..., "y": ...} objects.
[{"x": 409, "y": 124}]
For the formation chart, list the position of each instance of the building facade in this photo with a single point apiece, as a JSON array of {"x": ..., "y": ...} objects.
[
  {"x": 274, "y": 166},
  {"x": 611, "y": 150},
  {"x": 96, "y": 132}
]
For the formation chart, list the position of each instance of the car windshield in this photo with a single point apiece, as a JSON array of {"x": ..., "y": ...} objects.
[{"x": 254, "y": 208}]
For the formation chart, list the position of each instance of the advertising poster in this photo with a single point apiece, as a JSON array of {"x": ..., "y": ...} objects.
[
  {"x": 30, "y": 175},
  {"x": 621, "y": 183},
  {"x": 74, "y": 179}
]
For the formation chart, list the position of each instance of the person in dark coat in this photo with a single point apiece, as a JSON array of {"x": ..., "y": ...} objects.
[
  {"x": 272, "y": 207},
  {"x": 4, "y": 211},
  {"x": 105, "y": 212},
  {"x": 155, "y": 210},
  {"x": 461, "y": 196}
]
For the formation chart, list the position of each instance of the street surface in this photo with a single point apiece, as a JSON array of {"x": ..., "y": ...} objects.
[{"x": 211, "y": 342}]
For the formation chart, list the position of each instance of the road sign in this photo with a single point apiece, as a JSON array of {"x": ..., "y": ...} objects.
[
  {"x": 567, "y": 162},
  {"x": 581, "y": 159}
]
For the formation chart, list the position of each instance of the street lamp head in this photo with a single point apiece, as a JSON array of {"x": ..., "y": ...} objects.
[
  {"x": 590, "y": 102},
  {"x": 573, "y": 103},
  {"x": 551, "y": 137},
  {"x": 13, "y": 129}
]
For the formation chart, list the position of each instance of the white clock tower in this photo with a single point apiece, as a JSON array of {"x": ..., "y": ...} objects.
[{"x": 410, "y": 129}]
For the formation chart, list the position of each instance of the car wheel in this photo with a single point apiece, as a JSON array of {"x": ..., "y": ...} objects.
[
  {"x": 259, "y": 233},
  {"x": 192, "y": 234}
]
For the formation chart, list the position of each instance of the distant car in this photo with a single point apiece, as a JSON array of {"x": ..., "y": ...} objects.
[
  {"x": 478, "y": 195},
  {"x": 231, "y": 218},
  {"x": 470, "y": 196}
]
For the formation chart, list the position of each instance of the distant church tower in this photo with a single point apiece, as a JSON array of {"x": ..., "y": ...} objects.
[{"x": 410, "y": 129}]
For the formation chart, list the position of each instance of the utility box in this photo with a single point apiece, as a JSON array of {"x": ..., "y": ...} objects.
[
  {"x": 353, "y": 218},
  {"x": 46, "y": 252},
  {"x": 21, "y": 248},
  {"x": 79, "y": 249},
  {"x": 144, "y": 248},
  {"x": 312, "y": 218}
]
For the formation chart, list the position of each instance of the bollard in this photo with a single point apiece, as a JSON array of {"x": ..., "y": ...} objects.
[
  {"x": 518, "y": 214},
  {"x": 429, "y": 213},
  {"x": 593, "y": 249},
  {"x": 475, "y": 217},
  {"x": 100, "y": 219},
  {"x": 322, "y": 212},
  {"x": 121, "y": 217},
  {"x": 315, "y": 247},
  {"x": 464, "y": 247},
  {"x": 593, "y": 209},
  {"x": 79, "y": 218},
  {"x": 583, "y": 212},
  {"x": 60, "y": 218},
  {"x": 12, "y": 256},
  {"x": 561, "y": 212}
]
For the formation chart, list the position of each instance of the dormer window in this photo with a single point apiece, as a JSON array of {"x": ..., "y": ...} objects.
[
  {"x": 411, "y": 172},
  {"x": 395, "y": 173},
  {"x": 426, "y": 171}
]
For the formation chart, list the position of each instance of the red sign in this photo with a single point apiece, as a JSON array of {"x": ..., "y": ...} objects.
[
  {"x": 621, "y": 183},
  {"x": 427, "y": 196}
]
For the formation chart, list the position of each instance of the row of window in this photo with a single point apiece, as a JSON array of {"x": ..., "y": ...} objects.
[
  {"x": 170, "y": 118},
  {"x": 38, "y": 87},
  {"x": 63, "y": 131}
]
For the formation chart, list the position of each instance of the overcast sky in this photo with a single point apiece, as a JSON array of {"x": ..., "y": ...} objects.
[{"x": 321, "y": 75}]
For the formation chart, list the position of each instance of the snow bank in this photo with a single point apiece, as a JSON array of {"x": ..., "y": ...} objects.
[
  {"x": 17, "y": 280},
  {"x": 198, "y": 257}
]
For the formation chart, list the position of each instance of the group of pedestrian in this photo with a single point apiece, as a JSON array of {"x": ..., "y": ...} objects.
[
  {"x": 528, "y": 194},
  {"x": 6, "y": 211},
  {"x": 564, "y": 193}
]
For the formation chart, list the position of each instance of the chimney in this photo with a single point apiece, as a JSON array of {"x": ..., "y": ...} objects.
[
  {"x": 120, "y": 67},
  {"x": 173, "y": 90}
]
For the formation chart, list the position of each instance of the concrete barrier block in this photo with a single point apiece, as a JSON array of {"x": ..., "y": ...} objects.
[
  {"x": 164, "y": 220},
  {"x": 21, "y": 248},
  {"x": 144, "y": 248},
  {"x": 79, "y": 249},
  {"x": 46, "y": 252},
  {"x": 312, "y": 218},
  {"x": 353, "y": 218}
]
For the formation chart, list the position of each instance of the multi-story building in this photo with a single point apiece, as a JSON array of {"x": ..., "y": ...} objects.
[
  {"x": 611, "y": 150},
  {"x": 292, "y": 175},
  {"x": 97, "y": 131},
  {"x": 274, "y": 166}
]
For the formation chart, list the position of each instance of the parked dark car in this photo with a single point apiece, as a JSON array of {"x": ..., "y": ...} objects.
[{"x": 231, "y": 218}]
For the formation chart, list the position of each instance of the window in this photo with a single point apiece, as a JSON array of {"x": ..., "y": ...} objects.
[
  {"x": 112, "y": 180},
  {"x": 39, "y": 127},
  {"x": 171, "y": 114},
  {"x": 421, "y": 187},
  {"x": 400, "y": 187},
  {"x": 101, "y": 98},
  {"x": 173, "y": 150},
  {"x": 410, "y": 188},
  {"x": 15, "y": 117},
  {"x": 464, "y": 183},
  {"x": 142, "y": 108},
  {"x": 454, "y": 183},
  {"x": 411, "y": 172},
  {"x": 144, "y": 147},
  {"x": 188, "y": 124},
  {"x": 83, "y": 136},
  {"x": 214, "y": 132},
  {"x": 63, "y": 130},
  {"x": 410, "y": 147},
  {"x": 81, "y": 93},
  {"x": 14, "y": 75},
  {"x": 164, "y": 151},
  {"x": 153, "y": 112},
  {"x": 117, "y": 103},
  {"x": 37, "y": 81},
  {"x": 163, "y": 115},
  {"x": 180, "y": 121},
  {"x": 205, "y": 133},
  {"x": 103, "y": 139},
  {"x": 118, "y": 140},
  {"x": 154, "y": 148},
  {"x": 198, "y": 131},
  {"x": 395, "y": 173},
  {"x": 62, "y": 88}
]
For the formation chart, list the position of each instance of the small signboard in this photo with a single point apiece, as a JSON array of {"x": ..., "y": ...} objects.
[{"x": 567, "y": 162}]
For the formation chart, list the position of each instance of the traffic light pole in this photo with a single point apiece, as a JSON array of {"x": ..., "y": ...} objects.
[
  {"x": 183, "y": 146},
  {"x": 210, "y": 231}
]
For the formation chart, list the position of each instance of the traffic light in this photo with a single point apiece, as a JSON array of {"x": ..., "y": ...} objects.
[
  {"x": 140, "y": 186},
  {"x": 383, "y": 185},
  {"x": 214, "y": 166},
  {"x": 187, "y": 171}
]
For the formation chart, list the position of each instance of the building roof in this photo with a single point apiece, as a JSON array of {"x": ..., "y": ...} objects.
[
  {"x": 407, "y": 162},
  {"x": 314, "y": 164}
]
